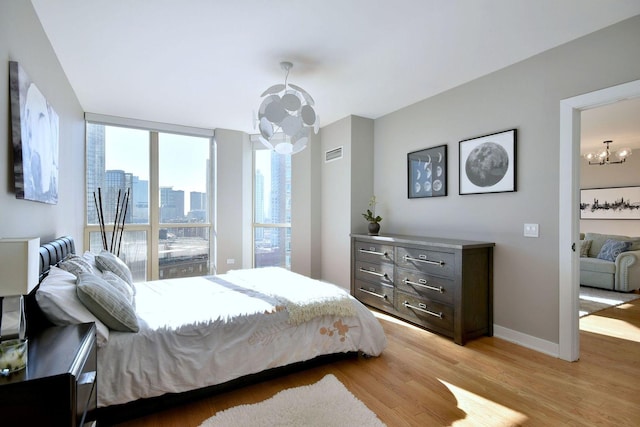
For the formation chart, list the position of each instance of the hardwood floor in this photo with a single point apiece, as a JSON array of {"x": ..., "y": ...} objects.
[{"x": 422, "y": 379}]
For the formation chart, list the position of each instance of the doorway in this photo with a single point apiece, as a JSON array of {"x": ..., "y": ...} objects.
[{"x": 569, "y": 192}]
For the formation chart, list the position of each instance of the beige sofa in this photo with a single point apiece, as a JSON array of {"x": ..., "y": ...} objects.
[{"x": 622, "y": 274}]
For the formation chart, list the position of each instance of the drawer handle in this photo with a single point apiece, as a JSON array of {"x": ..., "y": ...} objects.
[
  {"x": 373, "y": 293},
  {"x": 423, "y": 284},
  {"x": 423, "y": 308},
  {"x": 373, "y": 251},
  {"x": 87, "y": 378},
  {"x": 424, "y": 260},
  {"x": 364, "y": 270}
]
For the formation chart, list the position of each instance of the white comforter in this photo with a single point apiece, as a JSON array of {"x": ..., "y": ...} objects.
[{"x": 196, "y": 332}]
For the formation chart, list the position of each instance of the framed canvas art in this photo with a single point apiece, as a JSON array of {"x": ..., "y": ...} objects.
[
  {"x": 488, "y": 163},
  {"x": 427, "y": 172},
  {"x": 610, "y": 203},
  {"x": 34, "y": 134}
]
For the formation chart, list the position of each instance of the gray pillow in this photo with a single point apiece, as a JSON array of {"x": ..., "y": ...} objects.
[
  {"x": 612, "y": 248},
  {"x": 119, "y": 284},
  {"x": 106, "y": 303},
  {"x": 75, "y": 265},
  {"x": 106, "y": 261},
  {"x": 585, "y": 245}
]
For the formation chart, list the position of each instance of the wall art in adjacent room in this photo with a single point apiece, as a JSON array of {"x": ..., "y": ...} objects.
[{"x": 610, "y": 203}]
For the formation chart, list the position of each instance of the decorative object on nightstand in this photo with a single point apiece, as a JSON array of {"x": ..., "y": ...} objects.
[
  {"x": 374, "y": 220},
  {"x": 19, "y": 271},
  {"x": 59, "y": 386}
]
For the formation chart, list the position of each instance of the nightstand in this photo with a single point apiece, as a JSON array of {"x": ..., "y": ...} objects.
[{"x": 58, "y": 387}]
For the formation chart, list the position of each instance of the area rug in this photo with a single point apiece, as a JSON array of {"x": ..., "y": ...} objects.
[
  {"x": 326, "y": 403},
  {"x": 593, "y": 299}
]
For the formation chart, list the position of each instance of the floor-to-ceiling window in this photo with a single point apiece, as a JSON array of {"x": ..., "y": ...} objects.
[
  {"x": 167, "y": 216},
  {"x": 272, "y": 208}
]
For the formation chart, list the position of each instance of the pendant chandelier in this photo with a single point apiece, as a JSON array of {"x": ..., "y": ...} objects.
[
  {"x": 286, "y": 116},
  {"x": 607, "y": 157}
]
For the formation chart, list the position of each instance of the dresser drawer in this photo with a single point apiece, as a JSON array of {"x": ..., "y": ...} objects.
[
  {"x": 378, "y": 273},
  {"x": 427, "y": 261},
  {"x": 373, "y": 252},
  {"x": 374, "y": 294},
  {"x": 424, "y": 311},
  {"x": 423, "y": 285}
]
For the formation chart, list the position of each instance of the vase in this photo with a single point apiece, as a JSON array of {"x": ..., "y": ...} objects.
[{"x": 374, "y": 228}]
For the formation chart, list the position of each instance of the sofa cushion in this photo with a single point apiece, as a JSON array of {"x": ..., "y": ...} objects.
[
  {"x": 585, "y": 245},
  {"x": 599, "y": 239},
  {"x": 597, "y": 265},
  {"x": 635, "y": 244},
  {"x": 612, "y": 248}
]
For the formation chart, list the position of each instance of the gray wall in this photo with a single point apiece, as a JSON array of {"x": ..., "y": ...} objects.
[
  {"x": 524, "y": 96},
  {"x": 305, "y": 210},
  {"x": 336, "y": 203},
  {"x": 361, "y": 171},
  {"x": 347, "y": 186},
  {"x": 22, "y": 39},
  {"x": 233, "y": 198},
  {"x": 623, "y": 175}
]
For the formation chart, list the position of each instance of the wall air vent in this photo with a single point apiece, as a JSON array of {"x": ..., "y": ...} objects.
[{"x": 331, "y": 155}]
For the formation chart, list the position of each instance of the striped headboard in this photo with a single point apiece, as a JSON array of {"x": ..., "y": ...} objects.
[{"x": 53, "y": 252}]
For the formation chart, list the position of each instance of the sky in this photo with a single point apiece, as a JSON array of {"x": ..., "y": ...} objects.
[{"x": 183, "y": 159}]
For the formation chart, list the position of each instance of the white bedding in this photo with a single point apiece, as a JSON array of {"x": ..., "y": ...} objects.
[{"x": 196, "y": 332}]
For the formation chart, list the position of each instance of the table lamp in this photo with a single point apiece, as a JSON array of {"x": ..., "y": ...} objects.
[{"x": 19, "y": 273}]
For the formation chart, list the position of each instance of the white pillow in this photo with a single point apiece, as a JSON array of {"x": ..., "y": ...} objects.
[
  {"x": 58, "y": 300},
  {"x": 90, "y": 257}
]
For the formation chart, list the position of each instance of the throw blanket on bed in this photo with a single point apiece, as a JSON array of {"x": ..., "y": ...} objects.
[{"x": 303, "y": 298}]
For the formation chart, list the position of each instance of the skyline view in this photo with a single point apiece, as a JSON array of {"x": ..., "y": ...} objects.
[{"x": 119, "y": 159}]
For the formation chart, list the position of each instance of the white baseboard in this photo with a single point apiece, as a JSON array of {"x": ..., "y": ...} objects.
[{"x": 528, "y": 341}]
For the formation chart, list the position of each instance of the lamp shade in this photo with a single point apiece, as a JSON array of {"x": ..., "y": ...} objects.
[
  {"x": 286, "y": 116},
  {"x": 19, "y": 266}
]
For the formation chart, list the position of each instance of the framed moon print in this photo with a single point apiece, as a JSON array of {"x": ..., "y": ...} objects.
[
  {"x": 427, "y": 172},
  {"x": 488, "y": 163}
]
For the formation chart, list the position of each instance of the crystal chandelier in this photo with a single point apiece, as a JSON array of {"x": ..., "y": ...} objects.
[
  {"x": 606, "y": 157},
  {"x": 286, "y": 116}
]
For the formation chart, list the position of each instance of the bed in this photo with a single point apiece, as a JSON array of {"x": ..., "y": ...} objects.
[{"x": 196, "y": 335}]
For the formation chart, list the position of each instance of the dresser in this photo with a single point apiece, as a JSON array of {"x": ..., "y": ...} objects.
[
  {"x": 443, "y": 285},
  {"x": 58, "y": 386}
]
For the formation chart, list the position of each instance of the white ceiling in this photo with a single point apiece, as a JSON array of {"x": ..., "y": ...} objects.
[
  {"x": 204, "y": 63},
  {"x": 619, "y": 122}
]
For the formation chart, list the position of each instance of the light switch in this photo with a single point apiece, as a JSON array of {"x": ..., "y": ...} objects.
[
  {"x": 531, "y": 230},
  {"x": 231, "y": 261}
]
